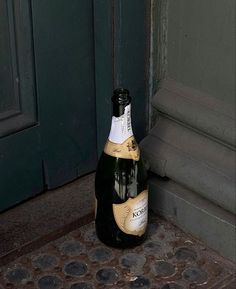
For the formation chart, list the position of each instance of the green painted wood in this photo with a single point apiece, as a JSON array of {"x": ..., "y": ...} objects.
[
  {"x": 103, "y": 40},
  {"x": 20, "y": 167},
  {"x": 8, "y": 99},
  {"x": 18, "y": 108},
  {"x": 79, "y": 47},
  {"x": 131, "y": 54},
  {"x": 62, "y": 145},
  {"x": 64, "y": 57},
  {"x": 20, "y": 148},
  {"x": 122, "y": 53}
]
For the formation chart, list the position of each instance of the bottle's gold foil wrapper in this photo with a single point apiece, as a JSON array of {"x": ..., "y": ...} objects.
[
  {"x": 127, "y": 150},
  {"x": 131, "y": 216}
]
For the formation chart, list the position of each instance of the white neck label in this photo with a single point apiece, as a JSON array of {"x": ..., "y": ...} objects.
[{"x": 121, "y": 127}]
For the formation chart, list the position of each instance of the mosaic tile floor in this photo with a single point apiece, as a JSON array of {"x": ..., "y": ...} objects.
[{"x": 169, "y": 259}]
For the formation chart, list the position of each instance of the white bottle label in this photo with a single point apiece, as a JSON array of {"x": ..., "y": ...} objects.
[
  {"x": 121, "y": 142},
  {"x": 121, "y": 128},
  {"x": 131, "y": 216}
]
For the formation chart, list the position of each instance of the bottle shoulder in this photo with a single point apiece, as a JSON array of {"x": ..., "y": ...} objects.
[{"x": 126, "y": 177}]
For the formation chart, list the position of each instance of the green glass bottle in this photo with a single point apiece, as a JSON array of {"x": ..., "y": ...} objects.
[{"x": 121, "y": 182}]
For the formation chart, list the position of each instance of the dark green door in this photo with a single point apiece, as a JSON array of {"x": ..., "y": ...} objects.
[{"x": 47, "y": 96}]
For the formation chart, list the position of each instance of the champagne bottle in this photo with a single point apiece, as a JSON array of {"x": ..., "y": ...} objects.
[{"x": 121, "y": 182}]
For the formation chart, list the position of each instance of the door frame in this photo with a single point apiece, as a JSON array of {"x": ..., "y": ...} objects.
[{"x": 121, "y": 43}]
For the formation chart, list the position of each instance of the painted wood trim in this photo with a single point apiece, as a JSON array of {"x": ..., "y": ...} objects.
[
  {"x": 159, "y": 33},
  {"x": 198, "y": 110},
  {"x": 23, "y": 69},
  {"x": 199, "y": 147},
  {"x": 192, "y": 160},
  {"x": 15, "y": 123}
]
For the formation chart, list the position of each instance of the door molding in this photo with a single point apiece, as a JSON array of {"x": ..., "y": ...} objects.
[
  {"x": 197, "y": 109},
  {"x": 21, "y": 111}
]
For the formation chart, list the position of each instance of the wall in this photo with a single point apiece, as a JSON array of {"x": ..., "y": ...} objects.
[
  {"x": 192, "y": 138},
  {"x": 201, "y": 46}
]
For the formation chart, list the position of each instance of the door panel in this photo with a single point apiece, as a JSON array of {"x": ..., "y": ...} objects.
[
  {"x": 17, "y": 91},
  {"x": 47, "y": 102},
  {"x": 65, "y": 74},
  {"x": 20, "y": 167},
  {"x": 8, "y": 99}
]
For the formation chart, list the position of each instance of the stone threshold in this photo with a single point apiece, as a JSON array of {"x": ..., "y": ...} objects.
[{"x": 46, "y": 217}]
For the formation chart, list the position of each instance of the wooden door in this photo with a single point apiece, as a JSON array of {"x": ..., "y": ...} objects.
[
  {"x": 53, "y": 54},
  {"x": 47, "y": 96}
]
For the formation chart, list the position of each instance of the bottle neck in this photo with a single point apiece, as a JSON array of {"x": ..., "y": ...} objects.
[
  {"x": 121, "y": 127},
  {"x": 118, "y": 109}
]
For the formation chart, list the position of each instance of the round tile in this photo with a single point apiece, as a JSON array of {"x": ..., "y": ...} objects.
[
  {"x": 49, "y": 282},
  {"x": 196, "y": 275},
  {"x": 18, "y": 275},
  {"x": 107, "y": 276},
  {"x": 75, "y": 268},
  {"x": 172, "y": 286},
  {"x": 151, "y": 247},
  {"x": 72, "y": 248},
  {"x": 82, "y": 285},
  {"x": 140, "y": 282},
  {"x": 132, "y": 260},
  {"x": 186, "y": 254},
  {"x": 45, "y": 262},
  {"x": 100, "y": 254},
  {"x": 162, "y": 269}
]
